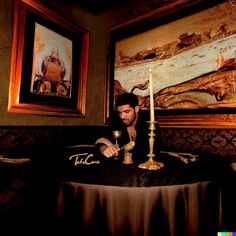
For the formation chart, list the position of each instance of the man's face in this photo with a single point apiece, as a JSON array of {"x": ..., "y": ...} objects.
[{"x": 128, "y": 114}]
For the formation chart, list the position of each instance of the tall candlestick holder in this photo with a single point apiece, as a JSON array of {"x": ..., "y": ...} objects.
[{"x": 150, "y": 164}]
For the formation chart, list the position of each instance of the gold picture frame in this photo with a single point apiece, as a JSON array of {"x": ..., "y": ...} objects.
[
  {"x": 49, "y": 63},
  {"x": 187, "y": 45}
]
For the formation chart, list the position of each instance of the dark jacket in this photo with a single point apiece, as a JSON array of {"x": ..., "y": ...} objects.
[{"x": 141, "y": 149}]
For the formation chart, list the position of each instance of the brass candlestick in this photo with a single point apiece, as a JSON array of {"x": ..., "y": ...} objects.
[{"x": 151, "y": 164}]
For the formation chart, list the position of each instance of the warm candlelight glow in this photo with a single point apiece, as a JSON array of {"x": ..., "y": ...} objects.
[{"x": 152, "y": 118}]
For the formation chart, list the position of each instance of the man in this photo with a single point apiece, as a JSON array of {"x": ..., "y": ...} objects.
[{"x": 133, "y": 124}]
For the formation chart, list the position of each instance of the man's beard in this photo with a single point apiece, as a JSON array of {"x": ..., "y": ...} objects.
[{"x": 129, "y": 122}]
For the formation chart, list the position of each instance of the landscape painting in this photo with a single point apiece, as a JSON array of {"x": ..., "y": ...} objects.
[{"x": 192, "y": 61}]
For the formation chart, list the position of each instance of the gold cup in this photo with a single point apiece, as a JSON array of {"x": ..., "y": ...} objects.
[{"x": 116, "y": 134}]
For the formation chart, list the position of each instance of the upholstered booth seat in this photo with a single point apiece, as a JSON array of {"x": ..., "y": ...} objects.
[{"x": 15, "y": 200}]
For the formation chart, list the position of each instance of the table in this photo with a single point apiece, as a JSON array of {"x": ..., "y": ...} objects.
[{"x": 117, "y": 199}]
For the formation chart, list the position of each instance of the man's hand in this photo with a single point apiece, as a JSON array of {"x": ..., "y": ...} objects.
[{"x": 108, "y": 149}]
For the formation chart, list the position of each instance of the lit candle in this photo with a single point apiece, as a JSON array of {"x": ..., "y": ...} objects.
[{"x": 152, "y": 118}]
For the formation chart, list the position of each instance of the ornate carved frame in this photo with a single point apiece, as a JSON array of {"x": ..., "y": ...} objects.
[
  {"x": 205, "y": 118},
  {"x": 21, "y": 100}
]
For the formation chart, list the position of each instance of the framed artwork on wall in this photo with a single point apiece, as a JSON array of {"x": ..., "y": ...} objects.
[
  {"x": 189, "y": 47},
  {"x": 49, "y": 63}
]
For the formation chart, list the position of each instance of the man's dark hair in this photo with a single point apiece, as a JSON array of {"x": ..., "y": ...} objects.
[{"x": 127, "y": 98}]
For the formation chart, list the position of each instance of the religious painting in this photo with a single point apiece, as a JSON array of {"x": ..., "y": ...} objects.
[
  {"x": 52, "y": 63},
  {"x": 191, "y": 54},
  {"x": 49, "y": 63}
]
